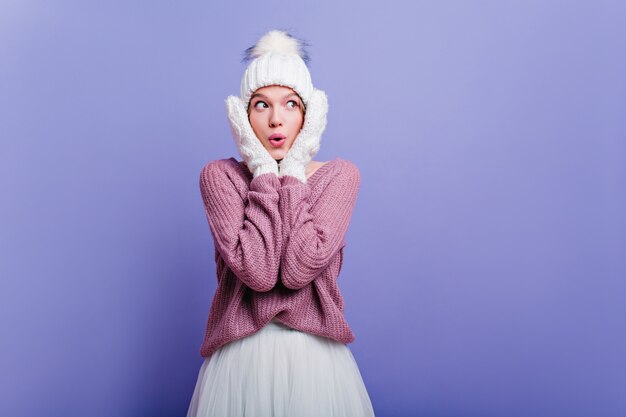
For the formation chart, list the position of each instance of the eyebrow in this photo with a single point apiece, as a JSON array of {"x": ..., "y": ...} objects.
[{"x": 264, "y": 96}]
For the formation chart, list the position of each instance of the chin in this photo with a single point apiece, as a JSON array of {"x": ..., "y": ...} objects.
[{"x": 278, "y": 154}]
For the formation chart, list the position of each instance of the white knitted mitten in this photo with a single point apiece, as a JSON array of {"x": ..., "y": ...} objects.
[
  {"x": 256, "y": 157},
  {"x": 307, "y": 142}
]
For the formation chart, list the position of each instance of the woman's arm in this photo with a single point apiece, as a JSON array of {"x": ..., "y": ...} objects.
[
  {"x": 248, "y": 236},
  {"x": 315, "y": 233}
]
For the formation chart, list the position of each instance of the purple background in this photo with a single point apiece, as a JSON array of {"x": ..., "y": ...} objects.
[{"x": 485, "y": 267}]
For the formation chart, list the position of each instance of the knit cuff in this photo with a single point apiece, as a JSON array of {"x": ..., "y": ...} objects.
[
  {"x": 293, "y": 169},
  {"x": 266, "y": 168}
]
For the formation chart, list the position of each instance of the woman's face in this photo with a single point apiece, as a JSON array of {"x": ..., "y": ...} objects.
[{"x": 276, "y": 110}]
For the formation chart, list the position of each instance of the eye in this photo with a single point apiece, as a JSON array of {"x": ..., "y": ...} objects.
[
  {"x": 260, "y": 101},
  {"x": 296, "y": 104}
]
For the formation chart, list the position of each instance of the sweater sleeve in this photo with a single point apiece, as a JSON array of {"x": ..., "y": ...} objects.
[
  {"x": 248, "y": 235},
  {"x": 315, "y": 232}
]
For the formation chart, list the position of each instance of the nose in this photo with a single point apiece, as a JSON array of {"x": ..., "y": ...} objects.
[{"x": 275, "y": 119}]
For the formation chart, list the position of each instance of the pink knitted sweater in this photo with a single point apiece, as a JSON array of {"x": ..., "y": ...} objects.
[{"x": 278, "y": 249}]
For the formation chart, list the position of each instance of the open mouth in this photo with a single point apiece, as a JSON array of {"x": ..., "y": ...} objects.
[{"x": 277, "y": 140}]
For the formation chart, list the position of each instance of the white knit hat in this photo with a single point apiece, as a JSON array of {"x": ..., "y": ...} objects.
[{"x": 277, "y": 58}]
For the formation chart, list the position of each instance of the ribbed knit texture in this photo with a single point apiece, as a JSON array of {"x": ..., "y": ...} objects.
[{"x": 278, "y": 249}]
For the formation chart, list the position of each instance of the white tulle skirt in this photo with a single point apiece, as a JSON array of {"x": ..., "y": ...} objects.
[{"x": 280, "y": 372}]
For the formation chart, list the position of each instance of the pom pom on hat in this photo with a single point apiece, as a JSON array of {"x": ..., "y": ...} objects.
[
  {"x": 278, "y": 41},
  {"x": 278, "y": 58}
]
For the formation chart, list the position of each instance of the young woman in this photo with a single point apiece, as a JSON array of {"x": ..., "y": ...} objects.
[{"x": 276, "y": 337}]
